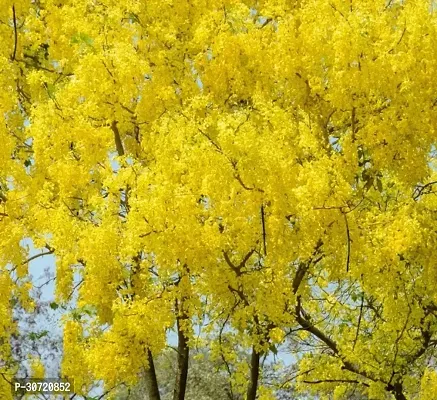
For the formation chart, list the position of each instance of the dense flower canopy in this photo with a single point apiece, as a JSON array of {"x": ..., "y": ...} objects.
[{"x": 270, "y": 165}]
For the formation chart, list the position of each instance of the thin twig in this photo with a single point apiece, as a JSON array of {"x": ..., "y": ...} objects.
[
  {"x": 419, "y": 190},
  {"x": 353, "y": 124},
  {"x": 15, "y": 33},
  {"x": 266, "y": 22},
  {"x": 400, "y": 39},
  {"x": 74, "y": 288},
  {"x": 359, "y": 321},
  {"x": 40, "y": 67},
  {"x": 264, "y": 229},
  {"x": 388, "y": 5},
  {"x": 45, "y": 283},
  {"x": 339, "y": 381},
  {"x": 37, "y": 256},
  {"x": 348, "y": 242}
]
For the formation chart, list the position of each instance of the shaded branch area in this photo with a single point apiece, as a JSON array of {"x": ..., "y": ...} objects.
[{"x": 400, "y": 364}]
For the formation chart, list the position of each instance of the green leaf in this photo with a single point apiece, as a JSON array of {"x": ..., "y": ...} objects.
[
  {"x": 379, "y": 185},
  {"x": 50, "y": 89},
  {"x": 77, "y": 316},
  {"x": 369, "y": 183},
  {"x": 273, "y": 349},
  {"x": 37, "y": 335},
  {"x": 133, "y": 17},
  {"x": 42, "y": 334},
  {"x": 88, "y": 310},
  {"x": 54, "y": 306},
  {"x": 81, "y": 38}
]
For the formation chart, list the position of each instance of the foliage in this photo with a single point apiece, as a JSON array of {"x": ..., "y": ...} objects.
[
  {"x": 263, "y": 169},
  {"x": 35, "y": 344},
  {"x": 205, "y": 381}
]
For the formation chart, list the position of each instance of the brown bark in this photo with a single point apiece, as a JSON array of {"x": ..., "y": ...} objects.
[
  {"x": 254, "y": 375},
  {"x": 397, "y": 390},
  {"x": 117, "y": 137},
  {"x": 183, "y": 357},
  {"x": 150, "y": 379}
]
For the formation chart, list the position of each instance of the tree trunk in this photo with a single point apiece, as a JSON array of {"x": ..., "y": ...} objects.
[
  {"x": 400, "y": 396},
  {"x": 183, "y": 357},
  {"x": 254, "y": 375},
  {"x": 397, "y": 390},
  {"x": 150, "y": 379}
]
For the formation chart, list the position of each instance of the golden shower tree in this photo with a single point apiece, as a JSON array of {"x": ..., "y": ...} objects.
[{"x": 266, "y": 166}]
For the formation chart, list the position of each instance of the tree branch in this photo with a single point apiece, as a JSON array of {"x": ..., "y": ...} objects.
[
  {"x": 348, "y": 242},
  {"x": 254, "y": 375},
  {"x": 237, "y": 268},
  {"x": 118, "y": 142},
  {"x": 338, "y": 381},
  {"x": 37, "y": 256},
  {"x": 14, "y": 19},
  {"x": 359, "y": 321},
  {"x": 353, "y": 124},
  {"x": 263, "y": 228}
]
